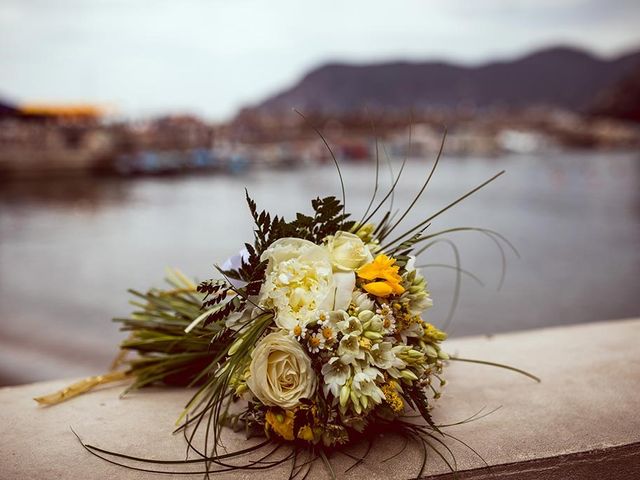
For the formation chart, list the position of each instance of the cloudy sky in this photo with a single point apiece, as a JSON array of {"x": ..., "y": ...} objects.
[{"x": 210, "y": 57}]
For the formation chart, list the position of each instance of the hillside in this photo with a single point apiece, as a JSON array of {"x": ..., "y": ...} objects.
[
  {"x": 560, "y": 77},
  {"x": 622, "y": 100}
]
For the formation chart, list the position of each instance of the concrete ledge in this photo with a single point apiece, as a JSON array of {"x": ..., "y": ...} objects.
[{"x": 582, "y": 422}]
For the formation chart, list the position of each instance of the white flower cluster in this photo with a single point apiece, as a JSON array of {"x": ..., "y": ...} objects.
[
  {"x": 300, "y": 281},
  {"x": 360, "y": 347}
]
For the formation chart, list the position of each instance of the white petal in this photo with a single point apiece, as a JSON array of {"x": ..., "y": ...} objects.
[{"x": 344, "y": 283}]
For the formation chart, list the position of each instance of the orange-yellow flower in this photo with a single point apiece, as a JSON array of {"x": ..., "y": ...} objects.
[
  {"x": 281, "y": 422},
  {"x": 381, "y": 276}
]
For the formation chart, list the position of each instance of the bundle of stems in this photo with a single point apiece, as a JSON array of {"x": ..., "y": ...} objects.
[{"x": 165, "y": 353}]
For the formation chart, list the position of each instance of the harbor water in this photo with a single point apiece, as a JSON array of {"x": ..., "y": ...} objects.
[{"x": 70, "y": 249}]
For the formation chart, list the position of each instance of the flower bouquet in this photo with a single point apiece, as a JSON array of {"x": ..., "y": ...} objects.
[{"x": 315, "y": 335}]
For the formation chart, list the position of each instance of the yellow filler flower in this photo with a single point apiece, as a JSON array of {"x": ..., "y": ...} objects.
[
  {"x": 381, "y": 276},
  {"x": 281, "y": 422}
]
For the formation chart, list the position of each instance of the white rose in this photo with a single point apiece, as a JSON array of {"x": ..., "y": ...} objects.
[
  {"x": 347, "y": 251},
  {"x": 281, "y": 372},
  {"x": 299, "y": 282}
]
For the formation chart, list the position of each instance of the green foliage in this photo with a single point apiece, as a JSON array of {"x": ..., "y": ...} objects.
[
  {"x": 417, "y": 398},
  {"x": 214, "y": 292},
  {"x": 327, "y": 219},
  {"x": 217, "y": 301}
]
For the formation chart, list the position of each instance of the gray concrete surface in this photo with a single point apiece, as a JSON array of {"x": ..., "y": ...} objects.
[{"x": 581, "y": 422}]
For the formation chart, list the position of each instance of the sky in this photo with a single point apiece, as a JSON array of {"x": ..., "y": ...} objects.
[{"x": 142, "y": 58}]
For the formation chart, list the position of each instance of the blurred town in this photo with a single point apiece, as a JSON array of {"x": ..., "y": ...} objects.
[{"x": 50, "y": 140}]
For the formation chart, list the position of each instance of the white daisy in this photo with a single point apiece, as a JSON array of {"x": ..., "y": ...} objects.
[
  {"x": 299, "y": 332},
  {"x": 388, "y": 324},
  {"x": 329, "y": 333},
  {"x": 315, "y": 343},
  {"x": 322, "y": 317}
]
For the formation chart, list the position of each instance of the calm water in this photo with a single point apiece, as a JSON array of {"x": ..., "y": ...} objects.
[{"x": 69, "y": 250}]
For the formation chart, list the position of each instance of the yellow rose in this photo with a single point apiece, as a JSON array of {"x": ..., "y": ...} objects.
[
  {"x": 347, "y": 251},
  {"x": 281, "y": 372}
]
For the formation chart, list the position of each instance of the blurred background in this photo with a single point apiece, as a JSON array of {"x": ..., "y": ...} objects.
[{"x": 129, "y": 129}]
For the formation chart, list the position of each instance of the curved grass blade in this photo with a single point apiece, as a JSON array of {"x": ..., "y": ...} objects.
[
  {"x": 327, "y": 464},
  {"x": 400, "y": 452},
  {"x": 476, "y": 416},
  {"x": 364, "y": 456},
  {"x": 491, "y": 234},
  {"x": 442, "y": 210},
  {"x": 469, "y": 274},
  {"x": 458, "y": 280},
  {"x": 499, "y": 365},
  {"x": 335, "y": 160},
  {"x": 389, "y": 193},
  {"x": 473, "y": 450},
  {"x": 424, "y": 185},
  {"x": 375, "y": 188}
]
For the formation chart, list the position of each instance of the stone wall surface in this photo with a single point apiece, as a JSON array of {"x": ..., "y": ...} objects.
[{"x": 581, "y": 422}]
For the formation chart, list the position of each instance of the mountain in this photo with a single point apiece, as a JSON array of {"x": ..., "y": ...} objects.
[
  {"x": 622, "y": 100},
  {"x": 560, "y": 77}
]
